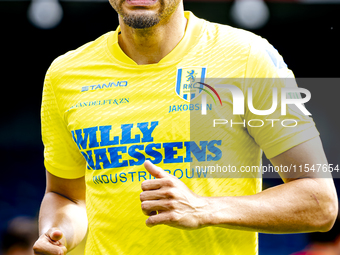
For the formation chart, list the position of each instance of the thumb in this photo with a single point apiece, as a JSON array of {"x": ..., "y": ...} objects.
[
  {"x": 155, "y": 170},
  {"x": 55, "y": 234}
]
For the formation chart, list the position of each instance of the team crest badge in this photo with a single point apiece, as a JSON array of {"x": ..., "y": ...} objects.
[{"x": 189, "y": 82}]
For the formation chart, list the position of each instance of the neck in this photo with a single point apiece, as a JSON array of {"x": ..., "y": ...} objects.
[{"x": 149, "y": 46}]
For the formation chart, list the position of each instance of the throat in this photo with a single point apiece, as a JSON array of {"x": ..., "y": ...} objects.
[
  {"x": 146, "y": 51},
  {"x": 151, "y": 45}
]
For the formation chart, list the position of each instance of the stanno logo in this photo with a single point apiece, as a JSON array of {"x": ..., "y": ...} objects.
[{"x": 104, "y": 86}]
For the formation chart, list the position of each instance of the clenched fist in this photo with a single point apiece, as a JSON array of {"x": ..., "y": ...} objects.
[{"x": 52, "y": 242}]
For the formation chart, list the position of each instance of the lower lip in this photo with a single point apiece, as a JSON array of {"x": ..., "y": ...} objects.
[{"x": 141, "y": 2}]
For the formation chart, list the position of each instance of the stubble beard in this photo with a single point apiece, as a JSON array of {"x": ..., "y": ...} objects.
[
  {"x": 145, "y": 21},
  {"x": 141, "y": 21}
]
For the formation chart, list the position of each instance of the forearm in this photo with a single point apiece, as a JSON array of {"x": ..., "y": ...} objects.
[
  {"x": 62, "y": 213},
  {"x": 302, "y": 205}
]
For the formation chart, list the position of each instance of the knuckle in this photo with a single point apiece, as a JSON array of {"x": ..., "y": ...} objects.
[
  {"x": 169, "y": 193},
  {"x": 169, "y": 182},
  {"x": 42, "y": 246},
  {"x": 173, "y": 217},
  {"x": 151, "y": 220},
  {"x": 144, "y": 206},
  {"x": 169, "y": 204},
  {"x": 35, "y": 247},
  {"x": 141, "y": 196},
  {"x": 60, "y": 252},
  {"x": 144, "y": 185}
]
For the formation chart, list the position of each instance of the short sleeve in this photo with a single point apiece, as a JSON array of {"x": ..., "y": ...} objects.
[
  {"x": 267, "y": 71},
  {"x": 61, "y": 155}
]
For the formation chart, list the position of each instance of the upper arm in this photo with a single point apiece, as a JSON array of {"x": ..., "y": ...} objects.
[
  {"x": 72, "y": 189},
  {"x": 317, "y": 184},
  {"x": 310, "y": 152}
]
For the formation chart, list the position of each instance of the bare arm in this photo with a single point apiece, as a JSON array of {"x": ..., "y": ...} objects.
[
  {"x": 62, "y": 219},
  {"x": 299, "y": 205}
]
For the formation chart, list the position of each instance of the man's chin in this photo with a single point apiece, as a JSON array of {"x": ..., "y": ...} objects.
[{"x": 141, "y": 21}]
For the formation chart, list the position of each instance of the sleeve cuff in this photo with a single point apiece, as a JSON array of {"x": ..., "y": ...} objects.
[
  {"x": 296, "y": 139},
  {"x": 66, "y": 174}
]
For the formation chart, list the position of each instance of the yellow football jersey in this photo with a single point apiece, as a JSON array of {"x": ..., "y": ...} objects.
[{"x": 103, "y": 116}]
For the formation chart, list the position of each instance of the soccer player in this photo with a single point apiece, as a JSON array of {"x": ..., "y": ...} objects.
[{"x": 117, "y": 118}]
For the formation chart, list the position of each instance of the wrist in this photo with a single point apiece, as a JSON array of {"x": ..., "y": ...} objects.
[
  {"x": 207, "y": 217},
  {"x": 216, "y": 211}
]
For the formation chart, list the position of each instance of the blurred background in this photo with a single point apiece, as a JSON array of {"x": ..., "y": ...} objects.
[{"x": 34, "y": 32}]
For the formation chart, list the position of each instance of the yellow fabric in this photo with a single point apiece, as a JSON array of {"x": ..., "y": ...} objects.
[{"x": 101, "y": 106}]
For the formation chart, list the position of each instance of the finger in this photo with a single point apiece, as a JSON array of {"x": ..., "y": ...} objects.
[
  {"x": 161, "y": 218},
  {"x": 45, "y": 246},
  {"x": 151, "y": 195},
  {"x": 151, "y": 184},
  {"x": 49, "y": 249},
  {"x": 56, "y": 235},
  {"x": 156, "y": 194},
  {"x": 157, "y": 184},
  {"x": 155, "y": 170},
  {"x": 158, "y": 205}
]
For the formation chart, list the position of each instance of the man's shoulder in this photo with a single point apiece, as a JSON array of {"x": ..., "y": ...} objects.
[
  {"x": 255, "y": 46},
  {"x": 227, "y": 35},
  {"x": 82, "y": 55}
]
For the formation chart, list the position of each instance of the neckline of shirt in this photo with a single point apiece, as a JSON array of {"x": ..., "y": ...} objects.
[{"x": 193, "y": 32}]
